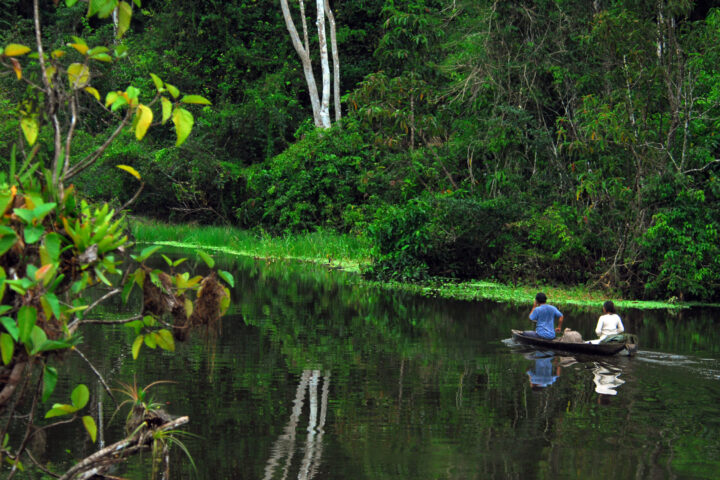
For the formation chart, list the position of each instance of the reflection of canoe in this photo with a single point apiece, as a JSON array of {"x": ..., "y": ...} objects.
[{"x": 588, "y": 348}]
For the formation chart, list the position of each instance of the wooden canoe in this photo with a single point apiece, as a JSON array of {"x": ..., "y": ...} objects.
[{"x": 586, "y": 348}]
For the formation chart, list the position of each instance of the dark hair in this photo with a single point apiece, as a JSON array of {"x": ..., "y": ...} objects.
[
  {"x": 540, "y": 298},
  {"x": 609, "y": 306}
]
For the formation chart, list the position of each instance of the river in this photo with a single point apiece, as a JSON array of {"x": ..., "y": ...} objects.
[{"x": 314, "y": 375}]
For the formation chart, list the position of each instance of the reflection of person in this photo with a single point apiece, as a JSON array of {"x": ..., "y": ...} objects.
[
  {"x": 606, "y": 380},
  {"x": 542, "y": 375},
  {"x": 609, "y": 323},
  {"x": 544, "y": 316}
]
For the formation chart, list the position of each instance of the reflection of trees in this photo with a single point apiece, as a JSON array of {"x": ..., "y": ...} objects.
[{"x": 284, "y": 447}]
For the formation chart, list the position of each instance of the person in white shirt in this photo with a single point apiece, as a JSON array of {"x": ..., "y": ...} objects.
[{"x": 609, "y": 323}]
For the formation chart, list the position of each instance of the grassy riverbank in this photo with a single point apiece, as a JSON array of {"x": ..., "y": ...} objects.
[{"x": 351, "y": 253}]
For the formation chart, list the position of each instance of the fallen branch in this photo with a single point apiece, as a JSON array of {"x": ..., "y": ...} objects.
[{"x": 122, "y": 449}]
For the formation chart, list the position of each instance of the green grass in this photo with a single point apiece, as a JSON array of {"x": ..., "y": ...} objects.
[
  {"x": 339, "y": 251},
  {"x": 524, "y": 294},
  {"x": 351, "y": 253}
]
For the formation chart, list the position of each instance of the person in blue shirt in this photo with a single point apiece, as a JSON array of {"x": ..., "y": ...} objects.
[{"x": 544, "y": 316}]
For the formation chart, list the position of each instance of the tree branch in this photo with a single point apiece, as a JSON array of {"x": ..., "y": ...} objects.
[{"x": 121, "y": 449}]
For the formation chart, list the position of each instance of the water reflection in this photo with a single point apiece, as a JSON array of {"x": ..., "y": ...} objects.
[
  {"x": 548, "y": 366},
  {"x": 284, "y": 447},
  {"x": 545, "y": 371},
  {"x": 607, "y": 379}
]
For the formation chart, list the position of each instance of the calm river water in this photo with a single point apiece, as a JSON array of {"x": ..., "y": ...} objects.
[{"x": 315, "y": 376}]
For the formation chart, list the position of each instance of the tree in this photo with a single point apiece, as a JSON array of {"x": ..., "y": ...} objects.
[
  {"x": 56, "y": 249},
  {"x": 320, "y": 105}
]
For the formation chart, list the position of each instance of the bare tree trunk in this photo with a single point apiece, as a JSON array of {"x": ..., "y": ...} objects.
[
  {"x": 306, "y": 63},
  {"x": 325, "y": 104},
  {"x": 335, "y": 60}
]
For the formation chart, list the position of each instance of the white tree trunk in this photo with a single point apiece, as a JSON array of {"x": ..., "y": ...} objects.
[
  {"x": 325, "y": 103},
  {"x": 335, "y": 60},
  {"x": 305, "y": 59}
]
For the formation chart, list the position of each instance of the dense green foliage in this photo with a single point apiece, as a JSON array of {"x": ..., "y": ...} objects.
[{"x": 555, "y": 141}]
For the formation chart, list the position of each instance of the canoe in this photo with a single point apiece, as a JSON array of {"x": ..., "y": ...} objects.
[{"x": 588, "y": 348}]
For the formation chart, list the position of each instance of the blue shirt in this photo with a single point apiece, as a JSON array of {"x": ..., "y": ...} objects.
[
  {"x": 544, "y": 316},
  {"x": 542, "y": 374}
]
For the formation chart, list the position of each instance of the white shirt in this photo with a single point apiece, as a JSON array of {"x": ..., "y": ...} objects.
[{"x": 609, "y": 324}]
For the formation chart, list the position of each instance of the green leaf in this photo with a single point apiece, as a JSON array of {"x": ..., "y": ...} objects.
[
  {"x": 37, "y": 339},
  {"x": 146, "y": 252},
  {"x": 50, "y": 345},
  {"x": 54, "y": 303},
  {"x": 50, "y": 378},
  {"x": 59, "y": 409},
  {"x": 136, "y": 346},
  {"x": 33, "y": 234},
  {"x": 7, "y": 347},
  {"x": 124, "y": 16},
  {"x": 166, "y": 109},
  {"x": 80, "y": 396},
  {"x": 227, "y": 276},
  {"x": 183, "y": 121},
  {"x": 172, "y": 89},
  {"x": 90, "y": 426},
  {"x": 41, "y": 211},
  {"x": 195, "y": 99},
  {"x": 136, "y": 325},
  {"x": 127, "y": 288},
  {"x": 78, "y": 75},
  {"x": 6, "y": 242},
  {"x": 158, "y": 83},
  {"x": 26, "y": 215},
  {"x": 30, "y": 128},
  {"x": 11, "y": 327},
  {"x": 150, "y": 341},
  {"x": 52, "y": 243},
  {"x": 165, "y": 340},
  {"x": 101, "y": 276},
  {"x": 70, "y": 3},
  {"x": 27, "y": 316},
  {"x": 102, "y": 57},
  {"x": 207, "y": 258}
]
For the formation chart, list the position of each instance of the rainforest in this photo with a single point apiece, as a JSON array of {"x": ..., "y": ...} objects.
[{"x": 557, "y": 144}]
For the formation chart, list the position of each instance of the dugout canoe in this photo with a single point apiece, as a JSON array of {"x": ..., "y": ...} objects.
[{"x": 610, "y": 348}]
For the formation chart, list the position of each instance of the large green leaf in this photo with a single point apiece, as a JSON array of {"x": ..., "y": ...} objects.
[
  {"x": 7, "y": 347},
  {"x": 30, "y": 128},
  {"x": 136, "y": 346},
  {"x": 11, "y": 327},
  {"x": 50, "y": 378},
  {"x": 183, "y": 121},
  {"x": 196, "y": 99},
  {"x": 60, "y": 409},
  {"x": 227, "y": 276},
  {"x": 124, "y": 16},
  {"x": 90, "y": 426},
  {"x": 33, "y": 234},
  {"x": 206, "y": 258},
  {"x": 6, "y": 242},
  {"x": 27, "y": 316},
  {"x": 78, "y": 75},
  {"x": 80, "y": 396},
  {"x": 37, "y": 339}
]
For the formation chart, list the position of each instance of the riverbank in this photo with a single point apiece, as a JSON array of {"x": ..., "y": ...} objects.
[{"x": 351, "y": 253}]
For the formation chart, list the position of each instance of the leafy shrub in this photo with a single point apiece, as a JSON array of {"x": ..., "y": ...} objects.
[
  {"x": 443, "y": 235},
  {"x": 681, "y": 251},
  {"x": 321, "y": 181}
]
